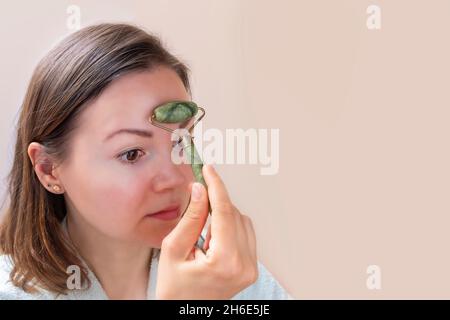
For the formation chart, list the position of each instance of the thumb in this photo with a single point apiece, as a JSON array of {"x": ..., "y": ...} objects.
[{"x": 186, "y": 233}]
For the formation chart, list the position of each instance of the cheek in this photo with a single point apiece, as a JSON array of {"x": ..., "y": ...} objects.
[
  {"x": 119, "y": 198},
  {"x": 114, "y": 201},
  {"x": 151, "y": 231},
  {"x": 108, "y": 200}
]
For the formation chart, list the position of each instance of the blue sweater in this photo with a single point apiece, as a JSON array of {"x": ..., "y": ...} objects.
[{"x": 265, "y": 288}]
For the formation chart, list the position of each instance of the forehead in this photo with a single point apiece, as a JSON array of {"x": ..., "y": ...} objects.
[{"x": 129, "y": 101}]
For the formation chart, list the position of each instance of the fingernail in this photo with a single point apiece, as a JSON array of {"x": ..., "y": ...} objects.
[{"x": 196, "y": 191}]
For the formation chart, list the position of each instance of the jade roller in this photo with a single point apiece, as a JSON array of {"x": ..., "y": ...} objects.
[{"x": 182, "y": 112}]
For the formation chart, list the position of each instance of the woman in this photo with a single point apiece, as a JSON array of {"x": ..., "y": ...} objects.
[{"x": 90, "y": 173}]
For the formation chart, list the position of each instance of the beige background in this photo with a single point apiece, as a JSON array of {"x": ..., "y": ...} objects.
[{"x": 363, "y": 118}]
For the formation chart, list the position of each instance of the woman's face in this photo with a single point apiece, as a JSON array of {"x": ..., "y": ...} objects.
[{"x": 113, "y": 181}]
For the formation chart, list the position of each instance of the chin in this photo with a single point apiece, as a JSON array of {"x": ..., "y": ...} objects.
[{"x": 153, "y": 235}]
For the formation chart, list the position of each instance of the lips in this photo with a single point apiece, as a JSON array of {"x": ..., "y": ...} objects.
[{"x": 168, "y": 213}]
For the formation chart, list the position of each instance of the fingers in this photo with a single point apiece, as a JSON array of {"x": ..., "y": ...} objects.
[
  {"x": 251, "y": 237},
  {"x": 246, "y": 236},
  {"x": 223, "y": 216},
  {"x": 228, "y": 227},
  {"x": 199, "y": 255},
  {"x": 208, "y": 238},
  {"x": 218, "y": 194},
  {"x": 184, "y": 236}
]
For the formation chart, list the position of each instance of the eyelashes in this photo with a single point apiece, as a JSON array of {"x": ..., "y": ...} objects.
[{"x": 132, "y": 154}]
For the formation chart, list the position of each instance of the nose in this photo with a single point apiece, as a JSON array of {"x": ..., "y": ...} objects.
[{"x": 169, "y": 175}]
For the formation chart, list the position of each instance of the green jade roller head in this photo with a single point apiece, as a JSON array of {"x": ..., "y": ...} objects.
[{"x": 183, "y": 112}]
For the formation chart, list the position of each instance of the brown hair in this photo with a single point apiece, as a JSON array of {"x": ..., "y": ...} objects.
[{"x": 65, "y": 80}]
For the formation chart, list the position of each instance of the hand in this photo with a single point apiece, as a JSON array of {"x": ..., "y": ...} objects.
[{"x": 230, "y": 262}]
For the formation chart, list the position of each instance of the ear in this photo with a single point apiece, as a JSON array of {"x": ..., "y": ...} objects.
[{"x": 44, "y": 167}]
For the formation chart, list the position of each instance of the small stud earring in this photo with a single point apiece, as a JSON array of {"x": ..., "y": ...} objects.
[{"x": 56, "y": 188}]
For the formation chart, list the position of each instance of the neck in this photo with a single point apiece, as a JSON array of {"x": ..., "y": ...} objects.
[{"x": 121, "y": 268}]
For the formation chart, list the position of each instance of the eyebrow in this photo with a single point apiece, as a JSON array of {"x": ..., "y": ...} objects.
[{"x": 138, "y": 132}]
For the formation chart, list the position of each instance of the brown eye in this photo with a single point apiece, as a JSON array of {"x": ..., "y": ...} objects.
[{"x": 130, "y": 156}]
